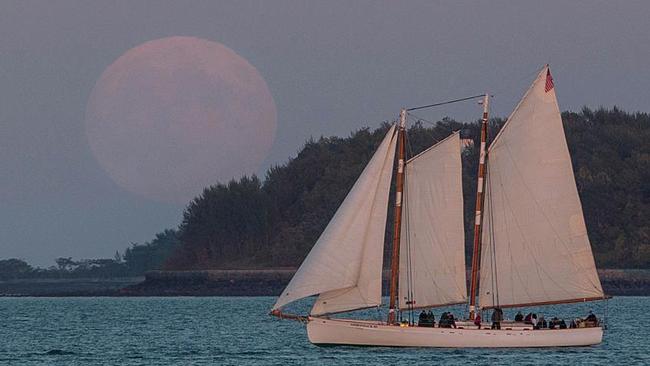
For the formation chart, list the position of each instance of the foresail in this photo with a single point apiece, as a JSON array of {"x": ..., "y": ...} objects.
[
  {"x": 345, "y": 264},
  {"x": 535, "y": 248},
  {"x": 432, "y": 254}
]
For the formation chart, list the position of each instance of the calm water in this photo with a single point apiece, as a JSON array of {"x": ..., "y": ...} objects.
[{"x": 236, "y": 331}]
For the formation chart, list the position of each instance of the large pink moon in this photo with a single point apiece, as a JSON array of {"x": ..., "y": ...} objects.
[{"x": 174, "y": 115}]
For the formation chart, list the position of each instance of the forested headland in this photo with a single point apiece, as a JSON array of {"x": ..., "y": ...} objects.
[{"x": 254, "y": 223}]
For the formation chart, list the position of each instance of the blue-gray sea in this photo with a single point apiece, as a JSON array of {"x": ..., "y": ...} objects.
[{"x": 237, "y": 331}]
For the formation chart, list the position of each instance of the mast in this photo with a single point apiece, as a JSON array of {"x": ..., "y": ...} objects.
[
  {"x": 397, "y": 227},
  {"x": 476, "y": 252}
]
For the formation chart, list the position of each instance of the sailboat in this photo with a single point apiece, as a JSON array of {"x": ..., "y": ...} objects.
[{"x": 530, "y": 240}]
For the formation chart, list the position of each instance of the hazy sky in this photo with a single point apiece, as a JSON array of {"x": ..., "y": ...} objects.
[{"x": 331, "y": 67}]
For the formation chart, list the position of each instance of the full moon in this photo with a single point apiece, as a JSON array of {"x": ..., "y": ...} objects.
[{"x": 174, "y": 115}]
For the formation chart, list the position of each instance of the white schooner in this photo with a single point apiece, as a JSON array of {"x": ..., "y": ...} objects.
[{"x": 527, "y": 210}]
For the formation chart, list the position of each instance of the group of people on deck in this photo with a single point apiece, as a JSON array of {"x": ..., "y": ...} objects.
[
  {"x": 447, "y": 320},
  {"x": 427, "y": 319},
  {"x": 538, "y": 322}
]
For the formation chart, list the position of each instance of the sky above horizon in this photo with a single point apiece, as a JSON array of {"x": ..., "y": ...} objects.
[{"x": 330, "y": 66}]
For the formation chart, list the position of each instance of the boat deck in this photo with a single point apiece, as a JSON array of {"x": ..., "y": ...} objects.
[{"x": 466, "y": 334}]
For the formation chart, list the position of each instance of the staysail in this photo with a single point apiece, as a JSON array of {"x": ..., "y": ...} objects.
[
  {"x": 535, "y": 248},
  {"x": 432, "y": 254},
  {"x": 345, "y": 264}
]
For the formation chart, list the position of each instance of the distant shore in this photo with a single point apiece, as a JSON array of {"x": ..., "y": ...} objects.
[
  {"x": 264, "y": 282},
  {"x": 66, "y": 287}
]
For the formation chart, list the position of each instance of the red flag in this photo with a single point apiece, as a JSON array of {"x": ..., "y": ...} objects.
[{"x": 549, "y": 81}]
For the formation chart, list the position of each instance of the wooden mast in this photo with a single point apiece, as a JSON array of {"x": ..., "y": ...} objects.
[
  {"x": 397, "y": 227},
  {"x": 476, "y": 253}
]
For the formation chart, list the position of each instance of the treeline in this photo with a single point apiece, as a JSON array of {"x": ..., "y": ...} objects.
[
  {"x": 135, "y": 261},
  {"x": 273, "y": 223},
  {"x": 610, "y": 150},
  {"x": 254, "y": 223}
]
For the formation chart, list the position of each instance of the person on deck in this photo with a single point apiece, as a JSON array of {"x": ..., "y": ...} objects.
[
  {"x": 431, "y": 318},
  {"x": 477, "y": 320},
  {"x": 452, "y": 320},
  {"x": 591, "y": 316},
  {"x": 519, "y": 317},
  {"x": 447, "y": 320},
  {"x": 528, "y": 318},
  {"x": 533, "y": 321},
  {"x": 497, "y": 318},
  {"x": 591, "y": 320},
  {"x": 444, "y": 320},
  {"x": 422, "y": 319}
]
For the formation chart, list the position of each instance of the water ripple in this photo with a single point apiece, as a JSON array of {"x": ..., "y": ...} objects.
[{"x": 237, "y": 331}]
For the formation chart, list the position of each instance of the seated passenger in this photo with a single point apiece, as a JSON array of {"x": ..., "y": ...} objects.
[
  {"x": 452, "y": 320},
  {"x": 444, "y": 321},
  {"x": 519, "y": 317},
  {"x": 541, "y": 322},
  {"x": 431, "y": 318},
  {"x": 422, "y": 319},
  {"x": 562, "y": 324},
  {"x": 528, "y": 318},
  {"x": 591, "y": 320}
]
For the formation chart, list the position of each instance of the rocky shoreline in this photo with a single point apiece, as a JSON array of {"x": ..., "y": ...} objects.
[
  {"x": 268, "y": 282},
  {"x": 616, "y": 282}
]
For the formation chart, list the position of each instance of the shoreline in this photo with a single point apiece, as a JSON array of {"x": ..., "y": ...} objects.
[{"x": 263, "y": 282}]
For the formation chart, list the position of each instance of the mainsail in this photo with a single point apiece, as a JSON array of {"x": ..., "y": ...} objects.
[
  {"x": 345, "y": 264},
  {"x": 535, "y": 248},
  {"x": 432, "y": 255}
]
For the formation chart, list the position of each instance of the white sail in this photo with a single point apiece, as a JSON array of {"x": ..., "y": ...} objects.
[
  {"x": 535, "y": 248},
  {"x": 432, "y": 254},
  {"x": 345, "y": 264}
]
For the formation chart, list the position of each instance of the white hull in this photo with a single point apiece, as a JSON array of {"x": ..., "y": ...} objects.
[{"x": 368, "y": 333}]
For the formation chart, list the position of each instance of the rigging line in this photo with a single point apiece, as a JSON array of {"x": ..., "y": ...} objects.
[
  {"x": 490, "y": 241},
  {"x": 445, "y": 102},
  {"x": 406, "y": 245},
  {"x": 409, "y": 147},
  {"x": 501, "y": 91},
  {"x": 411, "y": 292},
  {"x": 493, "y": 237},
  {"x": 434, "y": 124},
  {"x": 420, "y": 119}
]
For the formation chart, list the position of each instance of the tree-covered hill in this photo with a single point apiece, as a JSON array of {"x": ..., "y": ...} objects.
[{"x": 252, "y": 223}]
